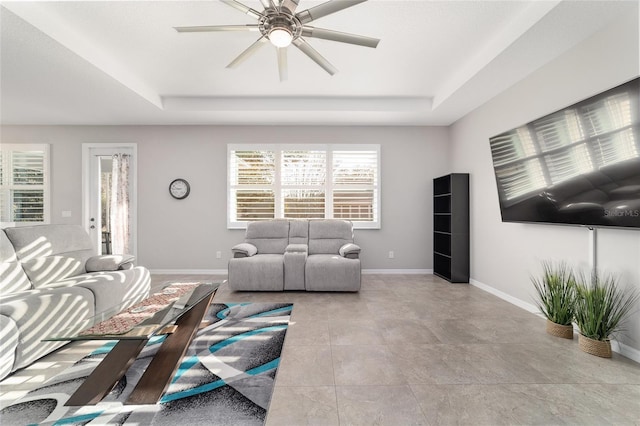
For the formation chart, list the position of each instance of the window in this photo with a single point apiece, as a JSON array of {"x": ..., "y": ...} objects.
[
  {"x": 304, "y": 182},
  {"x": 24, "y": 184}
]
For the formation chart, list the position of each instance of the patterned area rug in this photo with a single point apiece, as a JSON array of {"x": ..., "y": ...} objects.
[{"x": 226, "y": 377}]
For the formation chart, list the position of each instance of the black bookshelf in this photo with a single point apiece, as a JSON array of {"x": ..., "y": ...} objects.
[{"x": 451, "y": 227}]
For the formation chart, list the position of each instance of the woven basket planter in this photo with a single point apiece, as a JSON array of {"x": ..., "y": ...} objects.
[
  {"x": 558, "y": 330},
  {"x": 601, "y": 348}
]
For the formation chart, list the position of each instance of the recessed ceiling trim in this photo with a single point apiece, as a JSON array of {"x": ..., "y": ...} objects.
[
  {"x": 285, "y": 103},
  {"x": 504, "y": 38},
  {"x": 55, "y": 28}
]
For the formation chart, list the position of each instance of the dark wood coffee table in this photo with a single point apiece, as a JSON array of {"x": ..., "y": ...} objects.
[{"x": 179, "y": 319}]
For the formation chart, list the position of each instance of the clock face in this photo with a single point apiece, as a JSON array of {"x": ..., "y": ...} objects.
[{"x": 179, "y": 189}]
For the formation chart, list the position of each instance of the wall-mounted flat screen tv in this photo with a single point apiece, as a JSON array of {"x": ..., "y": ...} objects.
[{"x": 576, "y": 166}]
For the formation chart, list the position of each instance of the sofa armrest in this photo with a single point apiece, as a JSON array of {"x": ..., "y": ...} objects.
[
  {"x": 350, "y": 250},
  {"x": 297, "y": 248},
  {"x": 109, "y": 262},
  {"x": 244, "y": 250}
]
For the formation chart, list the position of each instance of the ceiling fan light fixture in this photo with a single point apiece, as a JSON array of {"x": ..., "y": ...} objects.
[{"x": 280, "y": 37}]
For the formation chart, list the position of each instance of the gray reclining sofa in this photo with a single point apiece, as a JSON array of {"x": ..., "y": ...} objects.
[
  {"x": 50, "y": 279},
  {"x": 312, "y": 255}
]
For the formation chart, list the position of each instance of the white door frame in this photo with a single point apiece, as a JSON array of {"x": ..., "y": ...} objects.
[{"x": 89, "y": 178}]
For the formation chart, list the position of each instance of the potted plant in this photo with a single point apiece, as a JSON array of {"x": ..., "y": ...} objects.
[
  {"x": 601, "y": 306},
  {"x": 556, "y": 295}
]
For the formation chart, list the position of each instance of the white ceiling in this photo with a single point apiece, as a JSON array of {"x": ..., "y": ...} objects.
[{"x": 121, "y": 62}]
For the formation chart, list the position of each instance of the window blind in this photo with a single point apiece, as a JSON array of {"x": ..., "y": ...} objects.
[
  {"x": 355, "y": 178},
  {"x": 303, "y": 182},
  {"x": 252, "y": 173},
  {"x": 23, "y": 183}
]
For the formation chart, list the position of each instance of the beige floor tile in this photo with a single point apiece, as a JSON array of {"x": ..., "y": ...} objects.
[
  {"x": 354, "y": 332},
  {"x": 308, "y": 333},
  {"x": 303, "y": 405},
  {"x": 398, "y": 331},
  {"x": 361, "y": 365},
  {"x": 430, "y": 364},
  {"x": 347, "y": 310},
  {"x": 391, "y": 309},
  {"x": 305, "y": 366},
  {"x": 378, "y": 405},
  {"x": 540, "y": 404},
  {"x": 305, "y": 311}
]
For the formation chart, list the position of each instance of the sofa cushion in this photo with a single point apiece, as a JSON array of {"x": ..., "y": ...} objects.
[
  {"x": 49, "y": 253},
  {"x": 112, "y": 288},
  {"x": 8, "y": 343},
  {"x": 298, "y": 232},
  {"x": 40, "y": 313},
  {"x": 12, "y": 276},
  {"x": 263, "y": 272},
  {"x": 326, "y": 272},
  {"x": 108, "y": 262},
  {"x": 269, "y": 237},
  {"x": 327, "y": 236}
]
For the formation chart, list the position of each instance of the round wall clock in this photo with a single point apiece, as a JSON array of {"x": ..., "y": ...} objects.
[{"x": 179, "y": 189}]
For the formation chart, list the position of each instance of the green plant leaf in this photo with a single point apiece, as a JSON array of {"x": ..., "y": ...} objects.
[
  {"x": 556, "y": 292},
  {"x": 602, "y": 305}
]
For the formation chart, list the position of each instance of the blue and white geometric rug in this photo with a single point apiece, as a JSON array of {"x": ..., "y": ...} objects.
[{"x": 226, "y": 377}]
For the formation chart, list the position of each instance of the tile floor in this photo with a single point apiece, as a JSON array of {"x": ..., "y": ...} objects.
[{"x": 416, "y": 350}]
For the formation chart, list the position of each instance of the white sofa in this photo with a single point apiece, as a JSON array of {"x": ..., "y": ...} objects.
[
  {"x": 50, "y": 279},
  {"x": 312, "y": 255}
]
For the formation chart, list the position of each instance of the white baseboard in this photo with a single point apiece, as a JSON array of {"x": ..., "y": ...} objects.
[
  {"x": 628, "y": 351},
  {"x": 189, "y": 271},
  {"x": 399, "y": 271},
  {"x": 504, "y": 296},
  {"x": 616, "y": 346},
  {"x": 225, "y": 271}
]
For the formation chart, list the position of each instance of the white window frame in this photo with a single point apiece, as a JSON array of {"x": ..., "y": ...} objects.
[
  {"x": 45, "y": 148},
  {"x": 329, "y": 184}
]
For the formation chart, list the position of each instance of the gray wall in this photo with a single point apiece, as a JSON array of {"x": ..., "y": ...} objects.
[
  {"x": 186, "y": 234},
  {"x": 503, "y": 255}
]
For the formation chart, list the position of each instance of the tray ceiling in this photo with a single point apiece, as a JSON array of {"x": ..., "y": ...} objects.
[{"x": 95, "y": 62}]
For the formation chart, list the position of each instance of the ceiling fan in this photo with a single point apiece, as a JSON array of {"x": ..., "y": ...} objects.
[{"x": 279, "y": 24}]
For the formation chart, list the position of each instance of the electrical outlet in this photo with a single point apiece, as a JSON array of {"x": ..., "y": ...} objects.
[
  {"x": 391, "y": 255},
  {"x": 218, "y": 255}
]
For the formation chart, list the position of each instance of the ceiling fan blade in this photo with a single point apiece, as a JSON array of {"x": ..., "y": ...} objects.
[
  {"x": 289, "y": 5},
  {"x": 248, "y": 52},
  {"x": 340, "y": 36},
  {"x": 282, "y": 63},
  {"x": 325, "y": 9},
  {"x": 209, "y": 28},
  {"x": 242, "y": 8},
  {"x": 269, "y": 4},
  {"x": 313, "y": 54}
]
